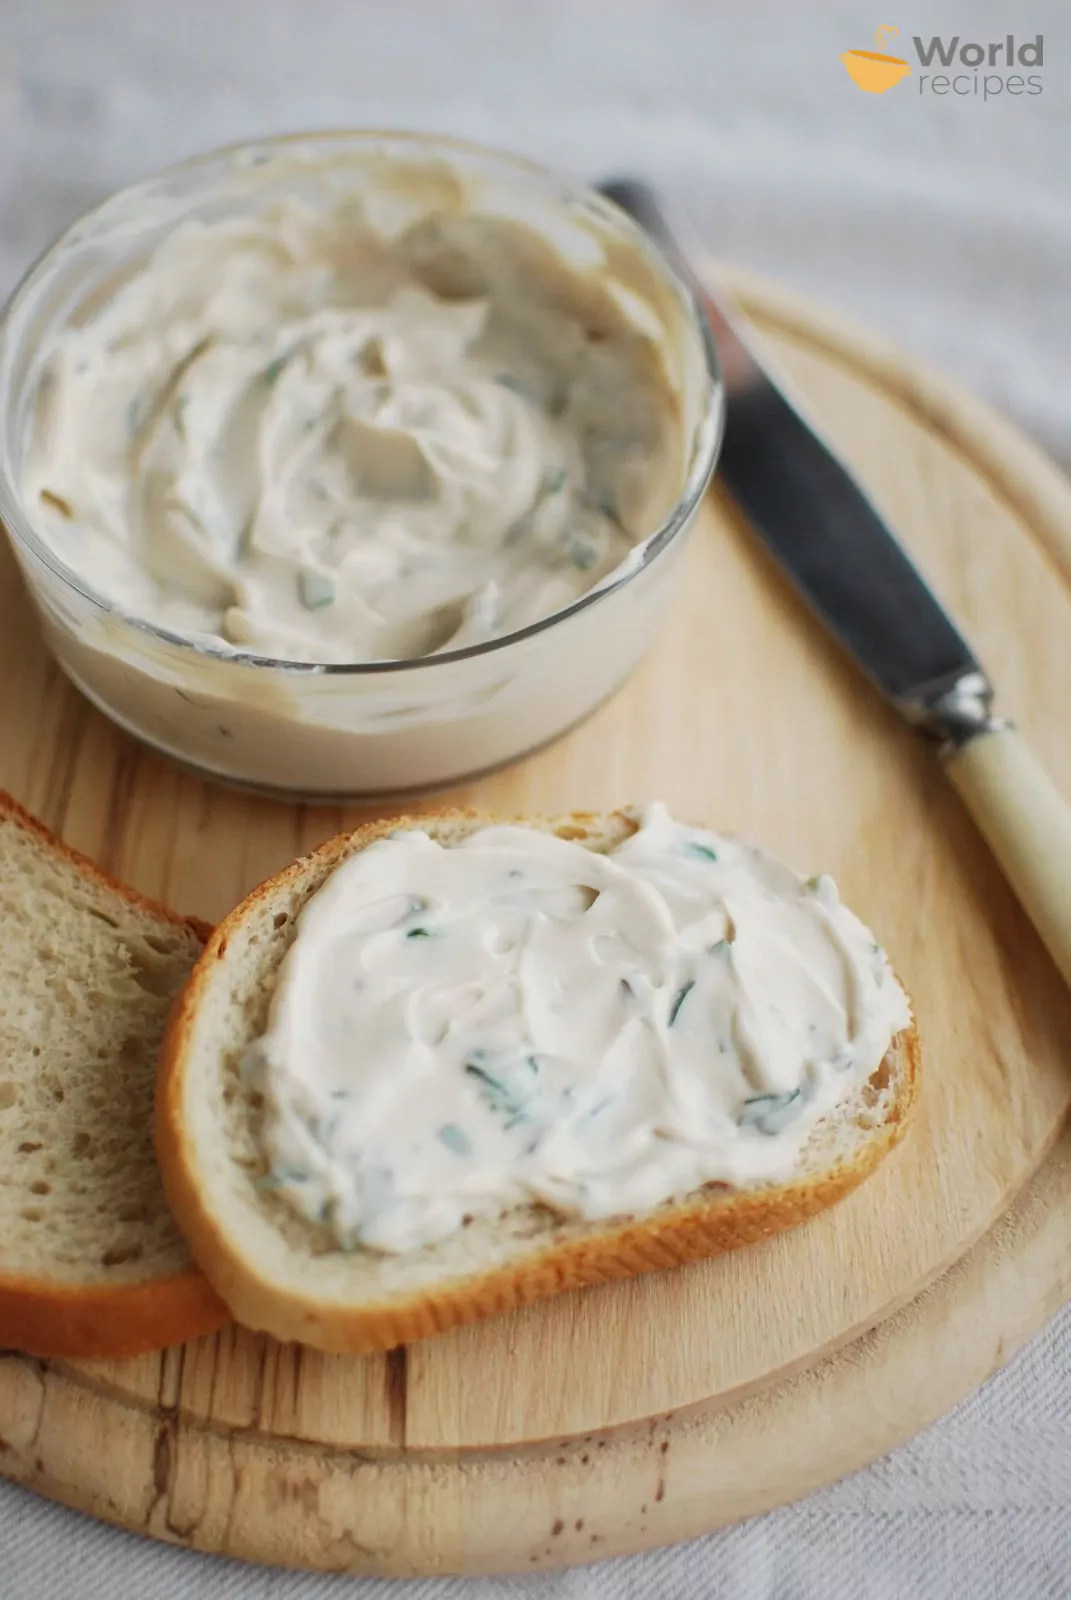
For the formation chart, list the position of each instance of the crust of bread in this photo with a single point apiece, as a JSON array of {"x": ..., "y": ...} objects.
[
  {"x": 709, "y": 1222},
  {"x": 47, "y": 1318},
  {"x": 80, "y": 1322}
]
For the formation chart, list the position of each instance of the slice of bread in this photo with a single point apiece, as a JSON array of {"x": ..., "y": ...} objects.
[
  {"x": 91, "y": 1263},
  {"x": 283, "y": 1274}
]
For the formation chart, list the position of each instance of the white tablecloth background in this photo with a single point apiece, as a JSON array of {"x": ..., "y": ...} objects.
[{"x": 943, "y": 222}]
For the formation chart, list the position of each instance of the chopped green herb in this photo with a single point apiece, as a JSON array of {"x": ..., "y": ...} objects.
[
  {"x": 325, "y": 1129},
  {"x": 455, "y": 1139},
  {"x": 496, "y": 1094},
  {"x": 723, "y": 947},
  {"x": 504, "y": 1098},
  {"x": 274, "y": 369},
  {"x": 769, "y": 1112},
  {"x": 508, "y": 381},
  {"x": 418, "y": 933},
  {"x": 702, "y": 852},
  {"x": 281, "y": 1176},
  {"x": 245, "y": 537},
  {"x": 813, "y": 882},
  {"x": 518, "y": 530},
  {"x": 316, "y": 590},
  {"x": 582, "y": 555},
  {"x": 555, "y": 482},
  {"x": 682, "y": 995}
]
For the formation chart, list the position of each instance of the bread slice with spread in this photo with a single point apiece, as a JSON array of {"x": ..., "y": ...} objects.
[
  {"x": 91, "y": 1262},
  {"x": 343, "y": 1278}
]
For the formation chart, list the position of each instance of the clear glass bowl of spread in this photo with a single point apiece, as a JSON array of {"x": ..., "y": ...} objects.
[{"x": 352, "y": 464}]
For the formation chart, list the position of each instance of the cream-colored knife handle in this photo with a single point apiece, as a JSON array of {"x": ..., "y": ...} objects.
[{"x": 1027, "y": 824}]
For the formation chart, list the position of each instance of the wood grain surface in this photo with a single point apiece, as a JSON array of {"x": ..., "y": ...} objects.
[{"x": 548, "y": 1436}]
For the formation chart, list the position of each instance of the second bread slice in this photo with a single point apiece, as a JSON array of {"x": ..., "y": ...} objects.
[{"x": 91, "y": 1263}]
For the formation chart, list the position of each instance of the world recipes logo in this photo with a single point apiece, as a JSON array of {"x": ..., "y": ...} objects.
[
  {"x": 872, "y": 72},
  {"x": 967, "y": 68}
]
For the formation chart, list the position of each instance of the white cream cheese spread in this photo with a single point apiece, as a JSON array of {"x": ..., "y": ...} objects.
[
  {"x": 290, "y": 435},
  {"x": 518, "y": 1019}
]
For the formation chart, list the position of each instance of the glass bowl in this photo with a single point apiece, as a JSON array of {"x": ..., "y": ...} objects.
[{"x": 328, "y": 731}]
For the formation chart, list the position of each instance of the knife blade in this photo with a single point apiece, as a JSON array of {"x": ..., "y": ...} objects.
[
  {"x": 830, "y": 539},
  {"x": 824, "y": 530}
]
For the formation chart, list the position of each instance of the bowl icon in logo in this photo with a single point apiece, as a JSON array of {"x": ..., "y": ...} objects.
[{"x": 873, "y": 72}]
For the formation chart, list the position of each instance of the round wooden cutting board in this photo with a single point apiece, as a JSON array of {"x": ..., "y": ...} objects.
[{"x": 652, "y": 1410}]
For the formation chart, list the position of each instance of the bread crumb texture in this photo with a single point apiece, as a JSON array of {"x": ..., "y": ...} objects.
[{"x": 87, "y": 976}]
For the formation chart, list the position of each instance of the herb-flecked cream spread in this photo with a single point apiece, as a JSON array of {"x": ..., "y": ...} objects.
[
  {"x": 290, "y": 435},
  {"x": 517, "y": 1019}
]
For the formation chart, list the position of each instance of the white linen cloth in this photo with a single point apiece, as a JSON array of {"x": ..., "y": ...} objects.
[{"x": 943, "y": 222}]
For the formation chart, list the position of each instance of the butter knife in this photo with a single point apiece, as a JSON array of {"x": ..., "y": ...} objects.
[{"x": 833, "y": 543}]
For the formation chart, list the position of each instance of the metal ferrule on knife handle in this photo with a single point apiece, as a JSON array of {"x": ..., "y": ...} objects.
[{"x": 954, "y": 712}]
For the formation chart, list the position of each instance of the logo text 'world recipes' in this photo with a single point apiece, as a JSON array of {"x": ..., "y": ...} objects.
[{"x": 966, "y": 68}]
